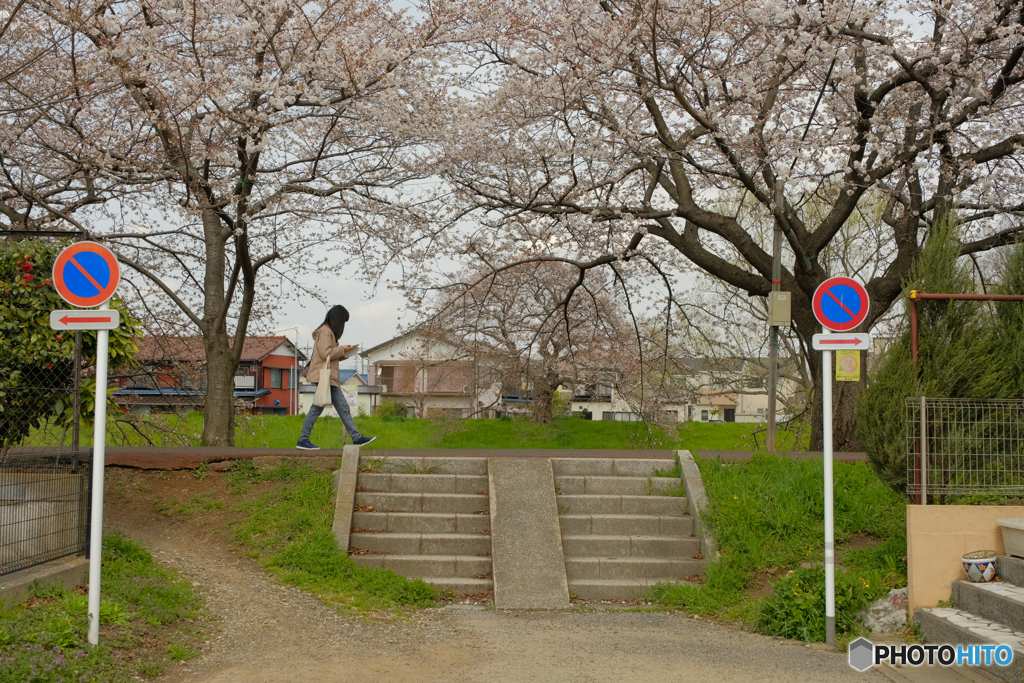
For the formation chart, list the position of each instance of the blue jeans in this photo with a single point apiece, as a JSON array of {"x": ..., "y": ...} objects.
[{"x": 341, "y": 405}]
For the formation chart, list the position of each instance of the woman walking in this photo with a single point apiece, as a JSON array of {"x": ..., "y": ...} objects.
[{"x": 327, "y": 350}]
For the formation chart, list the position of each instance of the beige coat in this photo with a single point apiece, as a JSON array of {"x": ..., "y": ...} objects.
[{"x": 325, "y": 346}]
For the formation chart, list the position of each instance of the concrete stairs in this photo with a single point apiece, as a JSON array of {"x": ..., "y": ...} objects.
[
  {"x": 430, "y": 518},
  {"x": 984, "y": 614},
  {"x": 620, "y": 535},
  {"x": 426, "y": 518}
]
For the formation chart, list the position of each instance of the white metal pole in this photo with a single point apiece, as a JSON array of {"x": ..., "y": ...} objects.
[
  {"x": 830, "y": 559},
  {"x": 99, "y": 436}
]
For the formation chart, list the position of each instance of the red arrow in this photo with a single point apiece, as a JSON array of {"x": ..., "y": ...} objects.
[
  {"x": 66, "y": 320},
  {"x": 855, "y": 340}
]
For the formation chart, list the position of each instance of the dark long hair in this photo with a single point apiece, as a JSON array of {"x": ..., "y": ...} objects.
[{"x": 335, "y": 320}]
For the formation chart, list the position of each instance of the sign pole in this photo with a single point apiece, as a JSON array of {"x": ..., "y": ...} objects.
[
  {"x": 830, "y": 557},
  {"x": 99, "y": 433}
]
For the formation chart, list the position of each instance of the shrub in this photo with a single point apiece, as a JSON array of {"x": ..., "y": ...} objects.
[
  {"x": 36, "y": 359},
  {"x": 797, "y": 607},
  {"x": 389, "y": 407}
]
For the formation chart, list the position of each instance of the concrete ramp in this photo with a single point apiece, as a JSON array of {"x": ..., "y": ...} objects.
[{"x": 526, "y": 542}]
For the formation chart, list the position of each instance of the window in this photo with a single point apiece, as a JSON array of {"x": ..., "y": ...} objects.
[
  {"x": 703, "y": 416},
  {"x": 275, "y": 378}
]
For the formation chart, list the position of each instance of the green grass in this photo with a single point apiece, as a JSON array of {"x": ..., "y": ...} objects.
[
  {"x": 768, "y": 514},
  {"x": 149, "y": 617},
  {"x": 289, "y": 530},
  {"x": 281, "y": 431}
]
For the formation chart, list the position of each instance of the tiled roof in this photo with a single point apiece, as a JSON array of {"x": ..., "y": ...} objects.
[{"x": 191, "y": 349}]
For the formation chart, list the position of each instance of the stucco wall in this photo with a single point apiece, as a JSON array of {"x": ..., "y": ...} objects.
[{"x": 938, "y": 536}]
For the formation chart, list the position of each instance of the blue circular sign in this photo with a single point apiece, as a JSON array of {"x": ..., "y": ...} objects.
[
  {"x": 86, "y": 274},
  {"x": 840, "y": 304}
]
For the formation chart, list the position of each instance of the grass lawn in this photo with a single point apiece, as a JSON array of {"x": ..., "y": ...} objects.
[
  {"x": 289, "y": 531},
  {"x": 768, "y": 520},
  {"x": 149, "y": 618},
  {"x": 279, "y": 431}
]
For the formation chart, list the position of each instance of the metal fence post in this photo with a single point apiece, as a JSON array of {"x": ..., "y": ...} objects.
[{"x": 924, "y": 451}]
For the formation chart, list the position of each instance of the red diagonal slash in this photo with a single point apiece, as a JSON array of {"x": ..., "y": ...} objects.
[
  {"x": 827, "y": 291},
  {"x": 100, "y": 289}
]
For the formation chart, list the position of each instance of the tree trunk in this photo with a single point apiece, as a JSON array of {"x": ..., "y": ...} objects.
[
  {"x": 219, "y": 410},
  {"x": 544, "y": 396}
]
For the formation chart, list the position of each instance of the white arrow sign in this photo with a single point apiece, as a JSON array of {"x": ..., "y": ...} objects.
[
  {"x": 84, "y": 320},
  {"x": 840, "y": 341}
]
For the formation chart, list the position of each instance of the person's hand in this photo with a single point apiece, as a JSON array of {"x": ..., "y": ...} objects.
[{"x": 348, "y": 348}]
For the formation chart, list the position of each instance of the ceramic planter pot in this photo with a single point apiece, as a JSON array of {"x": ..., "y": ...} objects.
[{"x": 980, "y": 565}]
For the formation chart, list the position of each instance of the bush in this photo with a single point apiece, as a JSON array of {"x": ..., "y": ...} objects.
[
  {"x": 36, "y": 368},
  {"x": 797, "y": 607},
  {"x": 964, "y": 351},
  {"x": 390, "y": 407}
]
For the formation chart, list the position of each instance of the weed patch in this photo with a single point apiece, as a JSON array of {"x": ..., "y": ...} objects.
[
  {"x": 768, "y": 514},
  {"x": 144, "y": 608},
  {"x": 291, "y": 530}
]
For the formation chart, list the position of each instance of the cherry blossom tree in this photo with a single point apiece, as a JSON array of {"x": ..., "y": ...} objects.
[
  {"x": 539, "y": 323},
  {"x": 620, "y": 123},
  {"x": 247, "y": 138}
]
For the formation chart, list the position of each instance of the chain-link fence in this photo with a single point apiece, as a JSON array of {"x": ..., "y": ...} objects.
[
  {"x": 965, "y": 447},
  {"x": 38, "y": 404},
  {"x": 44, "y": 508}
]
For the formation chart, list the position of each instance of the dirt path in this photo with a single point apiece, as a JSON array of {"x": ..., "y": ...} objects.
[{"x": 267, "y": 632}]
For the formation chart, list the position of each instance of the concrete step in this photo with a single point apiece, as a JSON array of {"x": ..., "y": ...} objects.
[
  {"x": 1002, "y": 602},
  {"x": 621, "y": 486},
  {"x": 610, "y": 467},
  {"x": 421, "y": 522},
  {"x": 460, "y": 586},
  {"x": 419, "y": 566},
  {"x": 610, "y": 589},
  {"x": 622, "y": 505},
  {"x": 426, "y": 465},
  {"x": 629, "y": 525},
  {"x": 654, "y": 568},
  {"x": 423, "y": 544},
  {"x": 941, "y": 625},
  {"x": 424, "y": 483},
  {"x": 424, "y": 502},
  {"x": 1010, "y": 569},
  {"x": 630, "y": 546}
]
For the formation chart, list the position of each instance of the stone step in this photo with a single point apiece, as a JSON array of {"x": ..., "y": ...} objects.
[
  {"x": 610, "y": 589},
  {"x": 424, "y": 483},
  {"x": 942, "y": 625},
  {"x": 422, "y": 522},
  {"x": 621, "y": 486},
  {"x": 1010, "y": 569},
  {"x": 423, "y": 544},
  {"x": 653, "y": 568},
  {"x": 628, "y": 525},
  {"x": 622, "y": 505},
  {"x": 610, "y": 467},
  {"x": 630, "y": 546},
  {"x": 426, "y": 465},
  {"x": 424, "y": 502},
  {"x": 1002, "y": 602},
  {"x": 420, "y": 566},
  {"x": 460, "y": 586}
]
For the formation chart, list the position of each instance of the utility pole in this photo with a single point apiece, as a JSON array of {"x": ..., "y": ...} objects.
[{"x": 773, "y": 353}]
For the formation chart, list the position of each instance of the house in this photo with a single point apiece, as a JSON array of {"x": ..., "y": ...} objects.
[
  {"x": 433, "y": 376},
  {"x": 732, "y": 390},
  {"x": 171, "y": 376}
]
